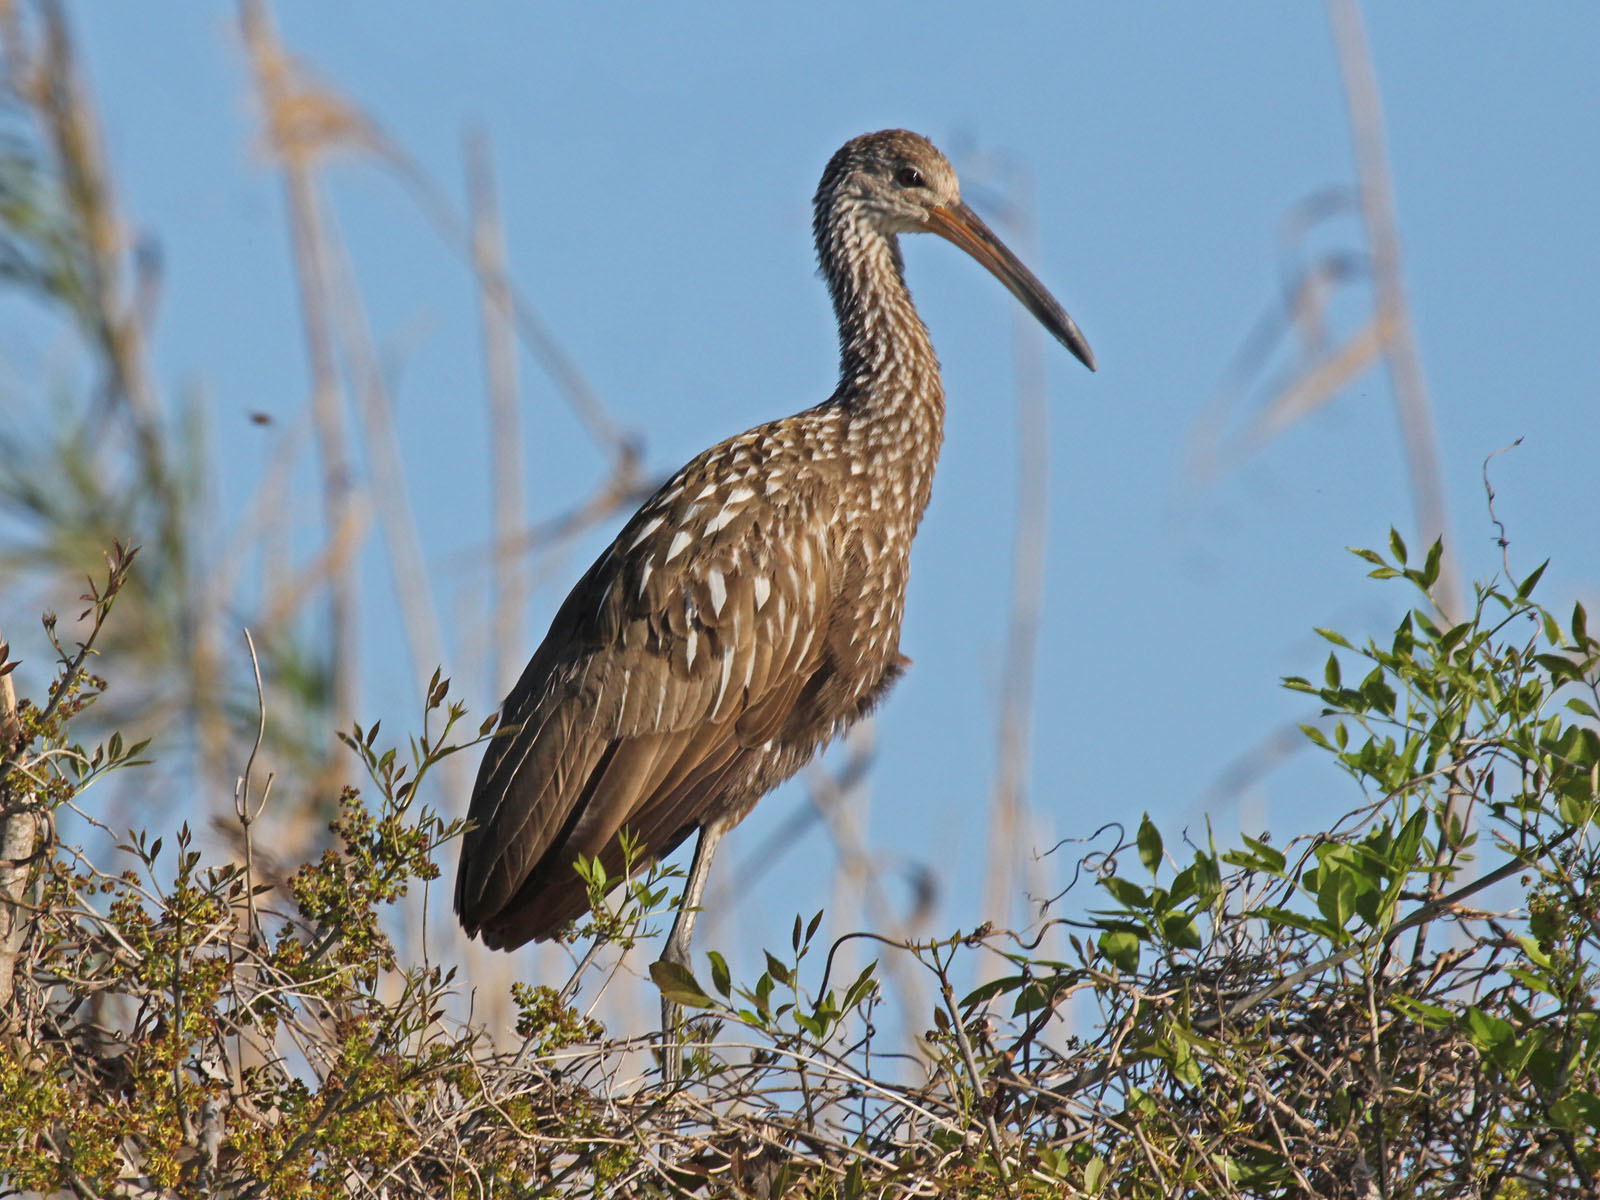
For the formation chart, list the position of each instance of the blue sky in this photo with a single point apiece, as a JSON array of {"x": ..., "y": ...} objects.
[{"x": 655, "y": 166}]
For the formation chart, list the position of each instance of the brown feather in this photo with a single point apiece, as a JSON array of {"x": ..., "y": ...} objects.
[
  {"x": 592, "y": 718},
  {"x": 750, "y": 610}
]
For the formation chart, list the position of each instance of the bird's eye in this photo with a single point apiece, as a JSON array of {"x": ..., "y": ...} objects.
[{"x": 909, "y": 177}]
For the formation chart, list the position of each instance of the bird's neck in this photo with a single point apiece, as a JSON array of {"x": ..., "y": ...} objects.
[
  {"x": 888, "y": 373},
  {"x": 883, "y": 344}
]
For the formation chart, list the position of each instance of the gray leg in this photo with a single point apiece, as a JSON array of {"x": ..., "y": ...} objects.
[{"x": 677, "y": 949}]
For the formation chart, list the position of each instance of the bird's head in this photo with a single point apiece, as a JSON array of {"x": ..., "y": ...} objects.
[
  {"x": 894, "y": 178},
  {"x": 900, "y": 183}
]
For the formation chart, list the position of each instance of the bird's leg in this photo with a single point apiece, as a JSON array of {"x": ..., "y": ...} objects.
[{"x": 677, "y": 949}]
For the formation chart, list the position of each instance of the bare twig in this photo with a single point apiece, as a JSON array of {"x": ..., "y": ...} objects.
[
  {"x": 1501, "y": 539},
  {"x": 241, "y": 795},
  {"x": 19, "y": 831},
  {"x": 958, "y": 1026}
]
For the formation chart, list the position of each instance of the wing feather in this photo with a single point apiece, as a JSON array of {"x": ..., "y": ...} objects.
[{"x": 661, "y": 676}]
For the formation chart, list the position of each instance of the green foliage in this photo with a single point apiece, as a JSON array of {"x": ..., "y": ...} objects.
[
  {"x": 1284, "y": 1015},
  {"x": 1405, "y": 1001},
  {"x": 1403, "y": 1004},
  {"x": 647, "y": 894},
  {"x": 776, "y": 1004},
  {"x": 173, "y": 1074}
]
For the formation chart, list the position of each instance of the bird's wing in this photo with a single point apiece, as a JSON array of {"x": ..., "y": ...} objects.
[{"x": 681, "y": 651}]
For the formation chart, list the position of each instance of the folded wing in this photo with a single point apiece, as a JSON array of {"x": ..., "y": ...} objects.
[{"x": 668, "y": 669}]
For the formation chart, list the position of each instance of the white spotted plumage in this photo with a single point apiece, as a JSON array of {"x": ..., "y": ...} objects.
[
  {"x": 762, "y": 587},
  {"x": 644, "y": 533}
]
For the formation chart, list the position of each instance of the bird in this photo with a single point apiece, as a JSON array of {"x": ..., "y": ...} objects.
[{"x": 750, "y": 610}]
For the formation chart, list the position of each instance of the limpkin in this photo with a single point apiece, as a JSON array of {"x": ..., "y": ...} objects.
[{"x": 750, "y": 610}]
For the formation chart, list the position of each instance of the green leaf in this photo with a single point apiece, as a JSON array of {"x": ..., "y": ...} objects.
[
  {"x": 763, "y": 996},
  {"x": 1031, "y": 998},
  {"x": 1179, "y": 1056},
  {"x": 1238, "y": 858},
  {"x": 1149, "y": 845},
  {"x": 1316, "y": 736},
  {"x": 1576, "y": 1111},
  {"x": 720, "y": 978},
  {"x": 1552, "y": 630},
  {"x": 1534, "y": 951},
  {"x": 1377, "y": 694},
  {"x": 1397, "y": 547},
  {"x": 1574, "y": 811},
  {"x": 1130, "y": 895},
  {"x": 1525, "y": 588},
  {"x": 1451, "y": 638},
  {"x": 677, "y": 984},
  {"x": 1430, "y": 569},
  {"x": 1273, "y": 860},
  {"x": 863, "y": 987},
  {"x": 1533, "y": 982},
  {"x": 1274, "y": 915},
  {"x": 1488, "y": 1032},
  {"x": 1180, "y": 931},
  {"x": 1562, "y": 669},
  {"x": 1433, "y": 1016},
  {"x": 1122, "y": 948},
  {"x": 1336, "y": 893},
  {"x": 1227, "y": 1166},
  {"x": 1183, "y": 887},
  {"x": 1094, "y": 1175},
  {"x": 776, "y": 969},
  {"x": 1207, "y": 878},
  {"x": 985, "y": 992}
]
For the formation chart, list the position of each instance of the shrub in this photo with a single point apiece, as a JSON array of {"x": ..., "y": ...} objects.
[{"x": 1403, "y": 1004}]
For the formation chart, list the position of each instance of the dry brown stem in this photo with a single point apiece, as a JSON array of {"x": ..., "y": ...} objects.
[
  {"x": 19, "y": 831},
  {"x": 288, "y": 112},
  {"x": 505, "y": 440},
  {"x": 1327, "y": 366},
  {"x": 1392, "y": 315}
]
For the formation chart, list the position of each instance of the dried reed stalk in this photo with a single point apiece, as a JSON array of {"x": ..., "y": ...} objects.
[
  {"x": 505, "y": 441},
  {"x": 298, "y": 129},
  {"x": 1393, "y": 316}
]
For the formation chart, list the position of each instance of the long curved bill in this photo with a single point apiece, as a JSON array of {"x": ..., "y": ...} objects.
[{"x": 962, "y": 226}]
